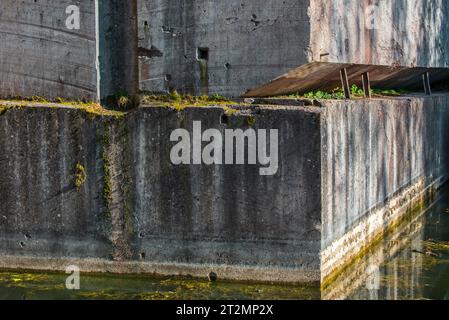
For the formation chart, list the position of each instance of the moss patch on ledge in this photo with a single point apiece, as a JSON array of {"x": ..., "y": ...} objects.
[
  {"x": 180, "y": 102},
  {"x": 90, "y": 108},
  {"x": 338, "y": 94}
]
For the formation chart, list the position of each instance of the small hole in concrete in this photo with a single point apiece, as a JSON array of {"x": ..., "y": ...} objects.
[
  {"x": 27, "y": 236},
  {"x": 202, "y": 53},
  {"x": 168, "y": 77},
  {"x": 213, "y": 277},
  {"x": 142, "y": 255},
  {"x": 22, "y": 244},
  {"x": 224, "y": 119},
  {"x": 227, "y": 65}
]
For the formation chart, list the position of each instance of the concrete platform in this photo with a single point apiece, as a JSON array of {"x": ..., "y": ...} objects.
[{"x": 348, "y": 171}]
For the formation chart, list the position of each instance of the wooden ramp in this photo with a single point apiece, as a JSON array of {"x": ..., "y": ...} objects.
[{"x": 327, "y": 76}]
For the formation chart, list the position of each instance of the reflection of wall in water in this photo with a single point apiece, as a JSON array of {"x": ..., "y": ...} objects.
[
  {"x": 400, "y": 269},
  {"x": 437, "y": 276}
]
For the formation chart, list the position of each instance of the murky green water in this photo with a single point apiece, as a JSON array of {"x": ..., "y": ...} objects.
[{"x": 412, "y": 263}]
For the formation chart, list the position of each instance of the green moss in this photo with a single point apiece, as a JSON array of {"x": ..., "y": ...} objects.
[
  {"x": 3, "y": 110},
  {"x": 389, "y": 92},
  {"x": 80, "y": 176},
  {"x": 251, "y": 121},
  {"x": 123, "y": 99},
  {"x": 230, "y": 111},
  {"x": 180, "y": 102},
  {"x": 433, "y": 246},
  {"x": 338, "y": 94},
  {"x": 91, "y": 108}
]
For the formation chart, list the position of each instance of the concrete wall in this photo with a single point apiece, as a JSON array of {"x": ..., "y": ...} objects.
[
  {"x": 40, "y": 56},
  {"x": 137, "y": 208},
  {"x": 400, "y": 32},
  {"x": 245, "y": 44},
  {"x": 41, "y": 211},
  {"x": 348, "y": 171},
  {"x": 118, "y": 44},
  {"x": 249, "y": 43},
  {"x": 377, "y": 157}
]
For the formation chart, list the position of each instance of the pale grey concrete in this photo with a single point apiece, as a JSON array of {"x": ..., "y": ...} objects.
[
  {"x": 242, "y": 44},
  {"x": 251, "y": 43},
  {"x": 40, "y": 56},
  {"x": 399, "y": 32}
]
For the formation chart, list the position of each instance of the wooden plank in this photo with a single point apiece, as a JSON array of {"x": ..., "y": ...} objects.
[
  {"x": 366, "y": 84},
  {"x": 326, "y": 76},
  {"x": 345, "y": 83},
  {"x": 426, "y": 80}
]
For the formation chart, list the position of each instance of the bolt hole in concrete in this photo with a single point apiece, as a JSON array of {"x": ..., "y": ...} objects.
[
  {"x": 224, "y": 119},
  {"x": 227, "y": 66},
  {"x": 142, "y": 255},
  {"x": 22, "y": 244},
  {"x": 213, "y": 277}
]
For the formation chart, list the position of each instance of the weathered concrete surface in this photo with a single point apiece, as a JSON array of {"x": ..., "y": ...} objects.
[
  {"x": 348, "y": 171},
  {"x": 374, "y": 267},
  {"x": 40, "y": 56},
  {"x": 229, "y": 215},
  {"x": 249, "y": 43},
  {"x": 142, "y": 212},
  {"x": 41, "y": 211},
  {"x": 378, "y": 157},
  {"x": 118, "y": 56},
  {"x": 206, "y": 46},
  {"x": 396, "y": 32}
]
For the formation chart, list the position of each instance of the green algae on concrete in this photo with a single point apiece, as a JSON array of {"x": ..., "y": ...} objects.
[
  {"x": 14, "y": 285},
  {"x": 91, "y": 108}
]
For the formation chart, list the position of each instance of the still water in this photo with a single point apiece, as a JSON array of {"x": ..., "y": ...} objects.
[{"x": 411, "y": 263}]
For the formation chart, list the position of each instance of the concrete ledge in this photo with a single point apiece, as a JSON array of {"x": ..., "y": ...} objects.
[{"x": 223, "y": 272}]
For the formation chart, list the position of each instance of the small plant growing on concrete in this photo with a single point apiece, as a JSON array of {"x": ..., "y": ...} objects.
[
  {"x": 180, "y": 102},
  {"x": 80, "y": 176},
  {"x": 122, "y": 99}
]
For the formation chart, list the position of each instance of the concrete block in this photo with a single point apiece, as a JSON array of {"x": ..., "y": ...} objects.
[
  {"x": 348, "y": 171},
  {"x": 45, "y": 53}
]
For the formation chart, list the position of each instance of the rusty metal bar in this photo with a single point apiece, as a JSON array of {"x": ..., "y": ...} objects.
[
  {"x": 345, "y": 83},
  {"x": 366, "y": 84},
  {"x": 426, "y": 82}
]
